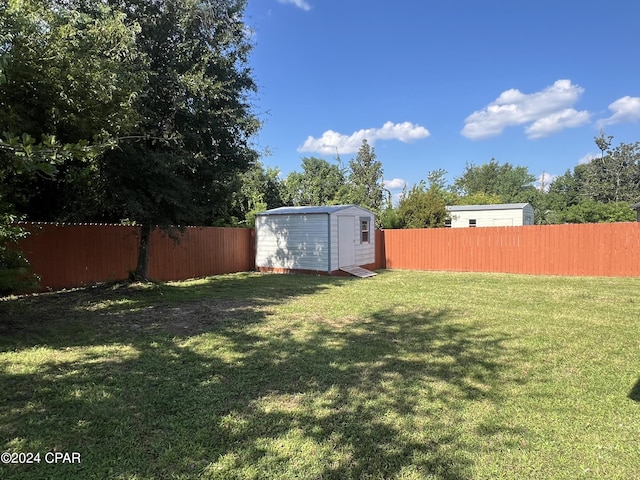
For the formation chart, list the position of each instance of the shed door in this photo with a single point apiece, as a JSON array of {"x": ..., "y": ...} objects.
[{"x": 346, "y": 241}]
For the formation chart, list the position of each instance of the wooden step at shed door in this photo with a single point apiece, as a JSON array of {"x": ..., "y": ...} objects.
[{"x": 357, "y": 271}]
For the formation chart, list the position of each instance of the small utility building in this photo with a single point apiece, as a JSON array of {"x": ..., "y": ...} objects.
[
  {"x": 501, "y": 215},
  {"x": 323, "y": 239}
]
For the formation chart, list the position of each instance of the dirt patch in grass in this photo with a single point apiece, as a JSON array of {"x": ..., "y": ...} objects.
[
  {"x": 188, "y": 319},
  {"x": 115, "y": 311}
]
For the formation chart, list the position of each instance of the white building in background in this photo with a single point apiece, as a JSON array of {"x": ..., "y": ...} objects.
[{"x": 500, "y": 215}]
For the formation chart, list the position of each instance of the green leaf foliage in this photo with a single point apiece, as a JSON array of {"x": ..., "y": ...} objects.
[
  {"x": 615, "y": 176},
  {"x": 504, "y": 180},
  {"x": 600, "y": 190},
  {"x": 178, "y": 165},
  {"x": 67, "y": 87},
  {"x": 15, "y": 271},
  {"x": 421, "y": 208},
  {"x": 319, "y": 183},
  {"x": 365, "y": 180},
  {"x": 260, "y": 189},
  {"x": 592, "y": 211},
  {"x": 67, "y": 70},
  {"x": 144, "y": 109}
]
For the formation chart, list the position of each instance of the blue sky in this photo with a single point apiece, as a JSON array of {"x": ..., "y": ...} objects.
[{"x": 438, "y": 84}]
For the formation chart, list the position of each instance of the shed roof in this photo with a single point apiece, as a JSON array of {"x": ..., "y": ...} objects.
[
  {"x": 327, "y": 209},
  {"x": 477, "y": 208}
]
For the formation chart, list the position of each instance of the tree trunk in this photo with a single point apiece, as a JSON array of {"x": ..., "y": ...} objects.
[{"x": 142, "y": 269}]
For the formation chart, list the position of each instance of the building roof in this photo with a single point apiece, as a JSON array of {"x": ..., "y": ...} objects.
[
  {"x": 326, "y": 209},
  {"x": 477, "y": 208}
]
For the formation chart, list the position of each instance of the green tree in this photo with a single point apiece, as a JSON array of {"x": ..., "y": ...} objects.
[
  {"x": 198, "y": 97},
  {"x": 603, "y": 142},
  {"x": 615, "y": 176},
  {"x": 365, "y": 180},
  {"x": 511, "y": 184},
  {"x": 421, "y": 208},
  {"x": 388, "y": 218},
  {"x": 66, "y": 89},
  {"x": 15, "y": 271},
  {"x": 436, "y": 179},
  {"x": 566, "y": 188},
  {"x": 437, "y": 183},
  {"x": 592, "y": 211},
  {"x": 260, "y": 189},
  {"x": 184, "y": 128},
  {"x": 319, "y": 183},
  {"x": 478, "y": 198}
]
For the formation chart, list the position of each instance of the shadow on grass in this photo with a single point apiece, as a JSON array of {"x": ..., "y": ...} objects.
[
  {"x": 634, "y": 394},
  {"x": 372, "y": 397},
  {"x": 119, "y": 311}
]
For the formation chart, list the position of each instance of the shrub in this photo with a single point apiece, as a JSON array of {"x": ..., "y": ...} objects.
[{"x": 15, "y": 271}]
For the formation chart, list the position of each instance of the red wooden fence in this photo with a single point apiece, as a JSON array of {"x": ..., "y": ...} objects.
[
  {"x": 68, "y": 256},
  {"x": 72, "y": 255},
  {"x": 611, "y": 249}
]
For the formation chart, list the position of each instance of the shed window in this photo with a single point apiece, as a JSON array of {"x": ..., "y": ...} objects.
[
  {"x": 447, "y": 222},
  {"x": 364, "y": 230},
  {"x": 472, "y": 222}
]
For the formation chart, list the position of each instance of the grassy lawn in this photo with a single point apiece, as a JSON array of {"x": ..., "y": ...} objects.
[{"x": 412, "y": 375}]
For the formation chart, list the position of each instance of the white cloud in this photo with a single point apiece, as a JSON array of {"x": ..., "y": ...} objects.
[
  {"x": 394, "y": 184},
  {"x": 625, "y": 109},
  {"x": 298, "y": 3},
  {"x": 334, "y": 142},
  {"x": 547, "y": 112},
  {"x": 587, "y": 158},
  {"x": 567, "y": 118},
  {"x": 544, "y": 180}
]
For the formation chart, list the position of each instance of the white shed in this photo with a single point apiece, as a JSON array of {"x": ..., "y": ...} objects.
[
  {"x": 501, "y": 215},
  {"x": 320, "y": 239}
]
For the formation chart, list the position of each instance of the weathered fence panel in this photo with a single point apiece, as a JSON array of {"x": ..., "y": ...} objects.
[
  {"x": 73, "y": 255},
  {"x": 70, "y": 255},
  {"x": 611, "y": 249},
  {"x": 202, "y": 251},
  {"x": 380, "y": 251}
]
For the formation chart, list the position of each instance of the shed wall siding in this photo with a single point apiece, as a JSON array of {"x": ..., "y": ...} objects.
[
  {"x": 310, "y": 241},
  {"x": 292, "y": 241},
  {"x": 334, "y": 242},
  {"x": 492, "y": 218},
  {"x": 365, "y": 253},
  {"x": 528, "y": 215}
]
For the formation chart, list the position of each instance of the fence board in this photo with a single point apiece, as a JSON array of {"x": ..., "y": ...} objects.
[
  {"x": 586, "y": 249},
  {"x": 73, "y": 255},
  {"x": 202, "y": 251},
  {"x": 68, "y": 256}
]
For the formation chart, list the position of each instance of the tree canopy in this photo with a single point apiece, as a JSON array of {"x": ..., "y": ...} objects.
[
  {"x": 600, "y": 190},
  {"x": 165, "y": 87},
  {"x": 319, "y": 183},
  {"x": 508, "y": 182},
  {"x": 365, "y": 180},
  {"x": 422, "y": 207}
]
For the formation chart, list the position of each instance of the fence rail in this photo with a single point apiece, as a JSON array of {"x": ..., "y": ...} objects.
[{"x": 71, "y": 255}]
